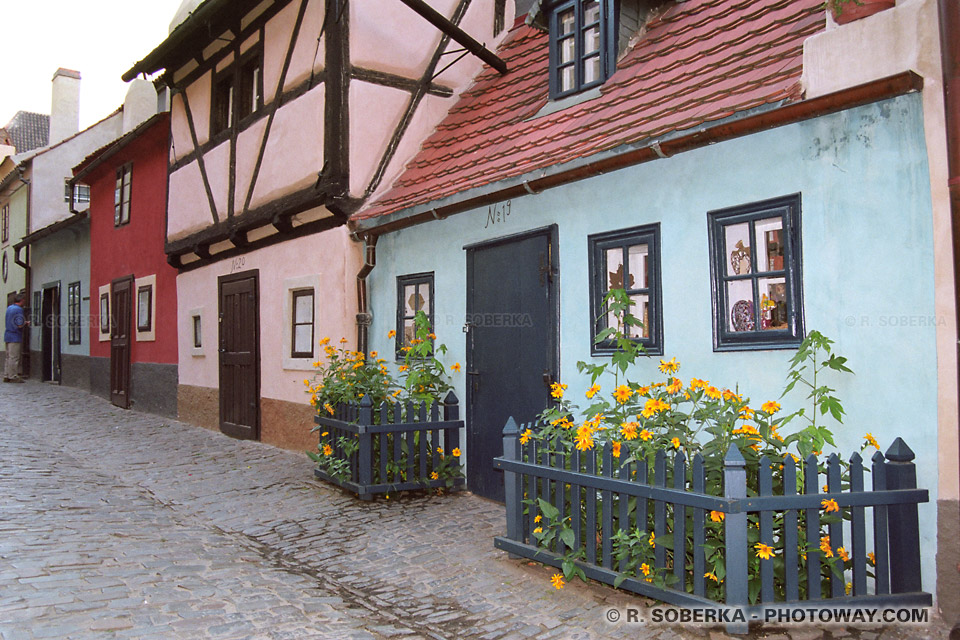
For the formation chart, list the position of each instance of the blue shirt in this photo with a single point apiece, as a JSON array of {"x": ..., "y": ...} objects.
[{"x": 15, "y": 322}]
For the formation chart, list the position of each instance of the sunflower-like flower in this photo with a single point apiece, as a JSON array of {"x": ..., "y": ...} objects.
[
  {"x": 764, "y": 552},
  {"x": 622, "y": 393},
  {"x": 669, "y": 366}
]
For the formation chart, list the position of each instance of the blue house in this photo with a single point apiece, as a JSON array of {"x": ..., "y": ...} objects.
[{"x": 748, "y": 172}]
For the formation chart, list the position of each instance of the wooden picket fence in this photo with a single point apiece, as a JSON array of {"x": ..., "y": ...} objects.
[
  {"x": 399, "y": 444},
  {"x": 598, "y": 501}
]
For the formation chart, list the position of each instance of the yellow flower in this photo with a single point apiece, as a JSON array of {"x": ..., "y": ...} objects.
[
  {"x": 397, "y": 393},
  {"x": 584, "y": 438},
  {"x": 848, "y": 587},
  {"x": 645, "y": 435},
  {"x": 434, "y": 476},
  {"x": 764, "y": 552},
  {"x": 653, "y": 406},
  {"x": 538, "y": 518},
  {"x": 717, "y": 516},
  {"x": 645, "y": 569},
  {"x": 829, "y": 505},
  {"x": 456, "y": 452},
  {"x": 629, "y": 430},
  {"x": 730, "y": 395},
  {"x": 872, "y": 558},
  {"x": 432, "y": 336},
  {"x": 712, "y": 392},
  {"x": 843, "y": 554},
  {"x": 455, "y": 366},
  {"x": 592, "y": 391},
  {"x": 669, "y": 366},
  {"x": 675, "y": 386},
  {"x": 746, "y": 413},
  {"x": 615, "y": 449},
  {"x": 556, "y": 390},
  {"x": 324, "y": 434},
  {"x": 538, "y": 530},
  {"x": 403, "y": 368},
  {"x": 770, "y": 407},
  {"x": 306, "y": 382},
  {"x": 871, "y": 441},
  {"x": 676, "y": 443},
  {"x": 712, "y": 576},
  {"x": 525, "y": 436},
  {"x": 795, "y": 458},
  {"x": 324, "y": 341},
  {"x": 825, "y": 546},
  {"x": 622, "y": 393},
  {"x": 642, "y": 391},
  {"x": 696, "y": 383},
  {"x": 327, "y": 450},
  {"x": 557, "y": 581},
  {"x": 328, "y": 408},
  {"x": 343, "y": 341},
  {"x": 391, "y": 333},
  {"x": 653, "y": 540}
]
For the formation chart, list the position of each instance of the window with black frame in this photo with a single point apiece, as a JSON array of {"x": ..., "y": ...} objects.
[
  {"x": 73, "y": 313},
  {"x": 122, "y": 195},
  {"x": 302, "y": 320},
  {"x": 414, "y": 294},
  {"x": 582, "y": 44},
  {"x": 755, "y": 260},
  {"x": 627, "y": 259},
  {"x": 237, "y": 91}
]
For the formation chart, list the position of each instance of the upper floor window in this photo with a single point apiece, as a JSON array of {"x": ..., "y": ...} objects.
[
  {"x": 5, "y": 223},
  {"x": 627, "y": 259},
  {"x": 237, "y": 91},
  {"x": 121, "y": 195},
  {"x": 582, "y": 44},
  {"x": 755, "y": 264},
  {"x": 79, "y": 192}
]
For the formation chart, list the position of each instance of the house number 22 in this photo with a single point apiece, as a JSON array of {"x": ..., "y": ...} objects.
[{"x": 497, "y": 213}]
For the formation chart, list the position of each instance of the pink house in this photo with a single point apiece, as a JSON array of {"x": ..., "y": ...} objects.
[{"x": 286, "y": 116}]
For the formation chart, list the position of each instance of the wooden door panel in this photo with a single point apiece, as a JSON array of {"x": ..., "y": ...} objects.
[
  {"x": 240, "y": 356},
  {"x": 121, "y": 310}
]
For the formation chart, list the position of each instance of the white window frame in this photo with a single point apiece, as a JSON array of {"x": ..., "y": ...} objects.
[
  {"x": 146, "y": 281},
  {"x": 196, "y": 352},
  {"x": 104, "y": 336},
  {"x": 289, "y": 286}
]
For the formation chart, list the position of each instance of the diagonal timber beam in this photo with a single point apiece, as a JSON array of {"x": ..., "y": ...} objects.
[{"x": 457, "y": 34}]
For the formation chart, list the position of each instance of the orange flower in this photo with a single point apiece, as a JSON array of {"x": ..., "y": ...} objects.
[
  {"x": 525, "y": 436},
  {"x": 456, "y": 452},
  {"x": 327, "y": 450},
  {"x": 717, "y": 516},
  {"x": 615, "y": 450},
  {"x": 629, "y": 430},
  {"x": 557, "y": 581},
  {"x": 764, "y": 552},
  {"x": 455, "y": 366},
  {"x": 592, "y": 391},
  {"x": 622, "y": 393},
  {"x": 770, "y": 407},
  {"x": 712, "y": 392},
  {"x": 675, "y": 386},
  {"x": 645, "y": 435},
  {"x": 391, "y": 334},
  {"x": 842, "y": 553},
  {"x": 830, "y": 505}
]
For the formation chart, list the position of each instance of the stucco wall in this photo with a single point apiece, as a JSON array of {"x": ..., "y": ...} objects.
[{"x": 868, "y": 267}]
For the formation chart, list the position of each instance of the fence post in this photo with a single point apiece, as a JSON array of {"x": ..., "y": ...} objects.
[
  {"x": 735, "y": 538},
  {"x": 904, "y": 524},
  {"x": 365, "y": 459},
  {"x": 451, "y": 413},
  {"x": 512, "y": 482}
]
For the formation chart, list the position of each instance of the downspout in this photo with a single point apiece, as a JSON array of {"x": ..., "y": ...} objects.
[
  {"x": 949, "y": 20},
  {"x": 364, "y": 317}
]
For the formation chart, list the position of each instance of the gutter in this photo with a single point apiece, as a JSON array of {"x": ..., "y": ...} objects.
[{"x": 629, "y": 155}]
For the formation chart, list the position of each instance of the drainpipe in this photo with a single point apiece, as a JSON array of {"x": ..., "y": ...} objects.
[
  {"x": 949, "y": 20},
  {"x": 364, "y": 317}
]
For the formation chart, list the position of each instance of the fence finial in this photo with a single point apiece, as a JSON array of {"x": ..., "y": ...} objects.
[
  {"x": 900, "y": 452},
  {"x": 450, "y": 398},
  {"x": 511, "y": 429},
  {"x": 734, "y": 458}
]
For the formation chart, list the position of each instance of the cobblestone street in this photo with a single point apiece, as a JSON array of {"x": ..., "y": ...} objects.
[{"x": 121, "y": 524}]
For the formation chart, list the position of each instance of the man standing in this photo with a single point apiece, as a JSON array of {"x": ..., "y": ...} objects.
[{"x": 13, "y": 336}]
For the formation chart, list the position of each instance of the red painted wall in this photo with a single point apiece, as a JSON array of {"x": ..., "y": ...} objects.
[{"x": 135, "y": 248}]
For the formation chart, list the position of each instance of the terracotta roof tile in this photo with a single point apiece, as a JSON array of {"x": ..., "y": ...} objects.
[{"x": 699, "y": 61}]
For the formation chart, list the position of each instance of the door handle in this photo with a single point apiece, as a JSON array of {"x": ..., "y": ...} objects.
[{"x": 547, "y": 378}]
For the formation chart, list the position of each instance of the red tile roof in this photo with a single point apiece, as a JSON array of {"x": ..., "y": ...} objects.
[{"x": 698, "y": 62}]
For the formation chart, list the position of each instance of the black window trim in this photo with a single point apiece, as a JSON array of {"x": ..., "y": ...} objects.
[
  {"x": 608, "y": 39},
  {"x": 5, "y": 223},
  {"x": 790, "y": 208},
  {"x": 234, "y": 71},
  {"x": 403, "y": 281},
  {"x": 299, "y": 293},
  {"x": 597, "y": 245},
  {"x": 124, "y": 174},
  {"x": 74, "y": 302},
  {"x": 141, "y": 327}
]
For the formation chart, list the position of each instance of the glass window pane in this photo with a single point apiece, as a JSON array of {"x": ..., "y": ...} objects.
[
  {"x": 737, "y": 243},
  {"x": 639, "y": 266},
  {"x": 567, "y": 79},
  {"x": 424, "y": 291},
  {"x": 773, "y": 303},
  {"x": 566, "y": 50},
  {"x": 410, "y": 300},
  {"x": 615, "y": 268},
  {"x": 591, "y": 40},
  {"x": 197, "y": 334},
  {"x": 640, "y": 309},
  {"x": 409, "y": 332},
  {"x": 566, "y": 21},
  {"x": 591, "y": 11},
  {"x": 303, "y": 338},
  {"x": 591, "y": 69},
  {"x": 769, "y": 232},
  {"x": 303, "y": 313},
  {"x": 740, "y": 308}
]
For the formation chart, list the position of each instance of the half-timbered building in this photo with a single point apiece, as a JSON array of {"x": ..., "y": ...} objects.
[{"x": 285, "y": 116}]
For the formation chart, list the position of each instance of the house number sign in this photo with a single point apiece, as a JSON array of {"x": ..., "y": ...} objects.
[
  {"x": 497, "y": 213},
  {"x": 237, "y": 263}
]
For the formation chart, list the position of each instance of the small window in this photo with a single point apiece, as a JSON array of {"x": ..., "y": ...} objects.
[
  {"x": 414, "y": 294},
  {"x": 80, "y": 193},
  {"x": 121, "y": 195},
  {"x": 302, "y": 318},
  {"x": 104, "y": 313},
  {"x": 627, "y": 259},
  {"x": 73, "y": 313},
  {"x": 755, "y": 264},
  {"x": 197, "y": 332},
  {"x": 581, "y": 45},
  {"x": 223, "y": 92},
  {"x": 5, "y": 223},
  {"x": 237, "y": 91},
  {"x": 35, "y": 312},
  {"x": 145, "y": 308},
  {"x": 250, "y": 83}
]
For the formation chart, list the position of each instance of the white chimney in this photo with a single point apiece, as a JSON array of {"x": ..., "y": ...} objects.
[
  {"x": 139, "y": 104},
  {"x": 65, "y": 106}
]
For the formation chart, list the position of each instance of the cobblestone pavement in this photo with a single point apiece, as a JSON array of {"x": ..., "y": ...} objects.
[{"x": 118, "y": 524}]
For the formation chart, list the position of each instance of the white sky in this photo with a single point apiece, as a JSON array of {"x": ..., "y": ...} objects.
[{"x": 99, "y": 38}]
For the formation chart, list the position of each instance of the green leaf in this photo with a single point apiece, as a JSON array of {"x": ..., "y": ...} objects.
[
  {"x": 547, "y": 509},
  {"x": 566, "y": 535},
  {"x": 619, "y": 580}
]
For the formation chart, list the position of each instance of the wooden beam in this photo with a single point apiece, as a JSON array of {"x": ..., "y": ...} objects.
[{"x": 457, "y": 34}]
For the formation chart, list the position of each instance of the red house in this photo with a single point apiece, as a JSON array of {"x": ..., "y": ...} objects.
[{"x": 133, "y": 291}]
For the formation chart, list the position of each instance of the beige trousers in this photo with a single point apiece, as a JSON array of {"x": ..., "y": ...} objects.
[{"x": 12, "y": 367}]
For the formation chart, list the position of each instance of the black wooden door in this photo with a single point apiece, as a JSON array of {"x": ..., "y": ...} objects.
[
  {"x": 240, "y": 355},
  {"x": 513, "y": 321},
  {"x": 50, "y": 333},
  {"x": 121, "y": 310}
]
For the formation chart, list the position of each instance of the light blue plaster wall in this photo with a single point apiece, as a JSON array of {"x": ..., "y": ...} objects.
[
  {"x": 867, "y": 267},
  {"x": 64, "y": 257}
]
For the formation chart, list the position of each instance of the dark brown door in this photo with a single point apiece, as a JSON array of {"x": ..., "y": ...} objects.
[
  {"x": 50, "y": 334},
  {"x": 240, "y": 355},
  {"x": 121, "y": 309}
]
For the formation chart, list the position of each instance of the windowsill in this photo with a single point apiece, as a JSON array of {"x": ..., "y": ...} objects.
[
  {"x": 298, "y": 364},
  {"x": 554, "y": 106},
  {"x": 197, "y": 352}
]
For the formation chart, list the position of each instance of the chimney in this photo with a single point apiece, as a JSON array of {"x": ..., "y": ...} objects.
[
  {"x": 65, "y": 106},
  {"x": 139, "y": 104}
]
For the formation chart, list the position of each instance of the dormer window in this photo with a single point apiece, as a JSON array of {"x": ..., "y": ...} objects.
[{"x": 582, "y": 45}]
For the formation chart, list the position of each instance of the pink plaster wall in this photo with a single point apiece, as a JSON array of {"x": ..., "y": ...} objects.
[
  {"x": 187, "y": 208},
  {"x": 375, "y": 112},
  {"x": 308, "y": 54},
  {"x": 410, "y": 38}
]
